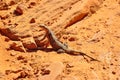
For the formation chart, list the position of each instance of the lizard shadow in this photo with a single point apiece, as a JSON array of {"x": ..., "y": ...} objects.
[
  {"x": 49, "y": 50},
  {"x": 42, "y": 49}
]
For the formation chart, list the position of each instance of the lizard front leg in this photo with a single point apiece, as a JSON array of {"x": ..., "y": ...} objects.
[{"x": 42, "y": 42}]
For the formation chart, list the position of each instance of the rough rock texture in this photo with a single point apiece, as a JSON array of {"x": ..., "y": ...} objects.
[
  {"x": 91, "y": 26},
  {"x": 57, "y": 19}
]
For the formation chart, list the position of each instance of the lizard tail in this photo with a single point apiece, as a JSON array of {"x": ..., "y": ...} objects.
[
  {"x": 72, "y": 52},
  {"x": 92, "y": 59}
]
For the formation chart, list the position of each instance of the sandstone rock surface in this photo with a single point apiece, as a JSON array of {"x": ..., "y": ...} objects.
[{"x": 91, "y": 26}]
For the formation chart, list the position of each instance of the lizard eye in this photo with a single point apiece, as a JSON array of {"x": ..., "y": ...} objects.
[{"x": 65, "y": 44}]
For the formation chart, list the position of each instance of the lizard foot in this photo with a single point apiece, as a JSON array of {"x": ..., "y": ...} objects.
[{"x": 60, "y": 51}]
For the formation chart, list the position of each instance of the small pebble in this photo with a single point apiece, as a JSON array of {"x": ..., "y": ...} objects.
[
  {"x": 20, "y": 58},
  {"x": 32, "y": 20},
  {"x": 18, "y": 11},
  {"x": 7, "y": 39},
  {"x": 72, "y": 39},
  {"x": 113, "y": 72},
  {"x": 12, "y": 3}
]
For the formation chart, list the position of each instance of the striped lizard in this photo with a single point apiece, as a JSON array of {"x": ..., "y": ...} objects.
[{"x": 59, "y": 46}]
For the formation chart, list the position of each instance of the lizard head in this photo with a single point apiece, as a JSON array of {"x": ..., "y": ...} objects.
[{"x": 43, "y": 26}]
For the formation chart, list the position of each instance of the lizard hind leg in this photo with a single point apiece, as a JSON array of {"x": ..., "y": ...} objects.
[{"x": 60, "y": 51}]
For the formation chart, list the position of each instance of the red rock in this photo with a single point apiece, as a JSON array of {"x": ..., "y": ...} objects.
[
  {"x": 18, "y": 11},
  {"x": 29, "y": 43},
  {"x": 31, "y": 4},
  {"x": 17, "y": 46},
  {"x": 72, "y": 39},
  {"x": 7, "y": 32},
  {"x": 32, "y": 20},
  {"x": 12, "y": 3},
  {"x": 7, "y": 39}
]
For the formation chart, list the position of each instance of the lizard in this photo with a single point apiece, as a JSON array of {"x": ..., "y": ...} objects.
[{"x": 59, "y": 46}]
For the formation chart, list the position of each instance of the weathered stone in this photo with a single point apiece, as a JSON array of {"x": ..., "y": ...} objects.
[
  {"x": 17, "y": 46},
  {"x": 29, "y": 43},
  {"x": 18, "y": 10}
]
